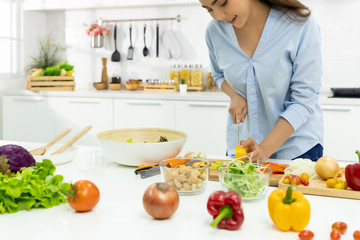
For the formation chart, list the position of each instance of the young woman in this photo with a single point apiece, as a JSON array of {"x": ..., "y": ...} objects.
[{"x": 265, "y": 55}]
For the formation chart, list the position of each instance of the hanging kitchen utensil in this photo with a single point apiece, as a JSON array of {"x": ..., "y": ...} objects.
[
  {"x": 41, "y": 150},
  {"x": 71, "y": 141},
  {"x": 157, "y": 40},
  {"x": 145, "y": 50},
  {"x": 115, "y": 57},
  {"x": 130, "y": 55}
]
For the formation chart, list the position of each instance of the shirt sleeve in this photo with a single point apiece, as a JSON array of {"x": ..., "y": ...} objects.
[
  {"x": 216, "y": 72},
  {"x": 305, "y": 84}
]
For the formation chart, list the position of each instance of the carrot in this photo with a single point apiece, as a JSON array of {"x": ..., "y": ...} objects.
[{"x": 276, "y": 167}]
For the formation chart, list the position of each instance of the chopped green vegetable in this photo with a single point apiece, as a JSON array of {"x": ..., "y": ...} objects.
[
  {"x": 33, "y": 187},
  {"x": 245, "y": 178},
  {"x": 130, "y": 140},
  {"x": 163, "y": 139}
]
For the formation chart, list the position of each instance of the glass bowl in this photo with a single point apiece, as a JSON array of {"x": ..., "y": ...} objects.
[
  {"x": 187, "y": 178},
  {"x": 250, "y": 187}
]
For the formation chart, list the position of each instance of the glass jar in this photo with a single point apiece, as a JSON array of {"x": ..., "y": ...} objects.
[
  {"x": 174, "y": 74},
  {"x": 211, "y": 85},
  {"x": 196, "y": 76},
  {"x": 185, "y": 75}
]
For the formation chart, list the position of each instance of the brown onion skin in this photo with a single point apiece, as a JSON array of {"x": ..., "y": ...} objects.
[{"x": 161, "y": 200}]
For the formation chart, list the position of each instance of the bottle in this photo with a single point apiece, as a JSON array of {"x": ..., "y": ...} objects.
[
  {"x": 174, "y": 74},
  {"x": 185, "y": 74},
  {"x": 196, "y": 76}
]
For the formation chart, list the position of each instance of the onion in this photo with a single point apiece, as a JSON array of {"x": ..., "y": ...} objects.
[
  {"x": 161, "y": 200},
  {"x": 327, "y": 167}
]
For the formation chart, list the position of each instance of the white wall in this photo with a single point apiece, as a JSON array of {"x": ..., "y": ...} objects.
[{"x": 339, "y": 21}]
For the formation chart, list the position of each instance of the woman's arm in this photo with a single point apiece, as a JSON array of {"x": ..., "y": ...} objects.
[
  {"x": 238, "y": 107},
  {"x": 278, "y": 135}
]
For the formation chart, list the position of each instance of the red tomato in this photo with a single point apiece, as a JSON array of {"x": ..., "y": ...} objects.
[
  {"x": 356, "y": 235},
  {"x": 295, "y": 180},
  {"x": 83, "y": 196},
  {"x": 340, "y": 226},
  {"x": 335, "y": 235},
  {"x": 306, "y": 235}
]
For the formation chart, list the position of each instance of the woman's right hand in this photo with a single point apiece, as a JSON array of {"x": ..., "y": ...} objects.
[{"x": 238, "y": 108}]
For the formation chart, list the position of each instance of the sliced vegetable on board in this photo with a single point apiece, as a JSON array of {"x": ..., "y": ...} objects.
[
  {"x": 226, "y": 209},
  {"x": 289, "y": 210}
]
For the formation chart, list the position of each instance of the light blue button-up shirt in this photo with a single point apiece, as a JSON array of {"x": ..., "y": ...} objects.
[{"x": 282, "y": 79}]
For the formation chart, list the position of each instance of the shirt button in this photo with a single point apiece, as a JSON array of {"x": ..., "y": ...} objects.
[
  {"x": 254, "y": 115},
  {"x": 249, "y": 60},
  {"x": 252, "y": 89}
]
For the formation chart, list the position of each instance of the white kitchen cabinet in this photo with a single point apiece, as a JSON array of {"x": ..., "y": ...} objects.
[
  {"x": 27, "y": 118},
  {"x": 205, "y": 124},
  {"x": 130, "y": 113},
  {"x": 77, "y": 113},
  {"x": 341, "y": 131}
]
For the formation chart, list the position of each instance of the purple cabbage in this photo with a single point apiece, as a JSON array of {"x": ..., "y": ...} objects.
[{"x": 14, "y": 157}]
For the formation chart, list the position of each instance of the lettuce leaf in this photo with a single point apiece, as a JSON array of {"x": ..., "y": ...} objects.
[{"x": 33, "y": 187}]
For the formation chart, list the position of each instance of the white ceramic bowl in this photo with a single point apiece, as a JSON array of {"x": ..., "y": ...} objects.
[
  {"x": 57, "y": 159},
  {"x": 144, "y": 148}
]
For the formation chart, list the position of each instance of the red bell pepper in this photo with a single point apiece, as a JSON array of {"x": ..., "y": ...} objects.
[
  {"x": 352, "y": 174},
  {"x": 226, "y": 209}
]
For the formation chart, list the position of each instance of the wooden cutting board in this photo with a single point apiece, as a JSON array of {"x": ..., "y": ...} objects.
[{"x": 319, "y": 188}]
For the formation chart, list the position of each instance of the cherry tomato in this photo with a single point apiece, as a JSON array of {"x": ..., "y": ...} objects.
[
  {"x": 286, "y": 180},
  {"x": 335, "y": 235},
  {"x": 330, "y": 183},
  {"x": 83, "y": 196},
  {"x": 356, "y": 235},
  {"x": 340, "y": 226},
  {"x": 305, "y": 176},
  {"x": 341, "y": 172},
  {"x": 340, "y": 185},
  {"x": 295, "y": 180},
  {"x": 306, "y": 235},
  {"x": 304, "y": 182}
]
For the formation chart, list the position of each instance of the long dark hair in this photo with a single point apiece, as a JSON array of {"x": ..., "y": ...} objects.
[{"x": 294, "y": 9}]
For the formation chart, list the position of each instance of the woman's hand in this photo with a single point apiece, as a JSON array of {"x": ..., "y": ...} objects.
[
  {"x": 238, "y": 108},
  {"x": 255, "y": 151}
]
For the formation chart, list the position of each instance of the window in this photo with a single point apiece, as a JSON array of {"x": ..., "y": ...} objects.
[{"x": 10, "y": 54}]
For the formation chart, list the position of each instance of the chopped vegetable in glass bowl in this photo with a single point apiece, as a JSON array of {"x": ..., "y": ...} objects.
[{"x": 250, "y": 180}]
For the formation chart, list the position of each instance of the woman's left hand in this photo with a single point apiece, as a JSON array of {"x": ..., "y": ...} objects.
[{"x": 255, "y": 151}]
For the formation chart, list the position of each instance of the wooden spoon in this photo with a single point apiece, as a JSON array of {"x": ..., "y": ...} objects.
[
  {"x": 71, "y": 141},
  {"x": 41, "y": 150}
]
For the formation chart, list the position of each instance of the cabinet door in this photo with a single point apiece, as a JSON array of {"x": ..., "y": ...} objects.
[
  {"x": 144, "y": 113},
  {"x": 341, "y": 131},
  {"x": 205, "y": 124},
  {"x": 77, "y": 113},
  {"x": 27, "y": 118}
]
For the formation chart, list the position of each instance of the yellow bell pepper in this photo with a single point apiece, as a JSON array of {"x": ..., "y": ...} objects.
[
  {"x": 240, "y": 152},
  {"x": 289, "y": 210}
]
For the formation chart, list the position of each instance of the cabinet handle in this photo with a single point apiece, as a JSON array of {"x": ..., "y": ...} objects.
[
  {"x": 39, "y": 99},
  {"x": 144, "y": 103},
  {"x": 208, "y": 105},
  {"x": 85, "y": 102},
  {"x": 336, "y": 109}
]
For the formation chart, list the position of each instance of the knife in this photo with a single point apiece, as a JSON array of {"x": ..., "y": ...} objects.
[
  {"x": 157, "y": 40},
  {"x": 171, "y": 163}
]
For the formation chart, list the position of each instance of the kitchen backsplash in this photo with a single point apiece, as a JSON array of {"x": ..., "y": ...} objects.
[{"x": 339, "y": 21}]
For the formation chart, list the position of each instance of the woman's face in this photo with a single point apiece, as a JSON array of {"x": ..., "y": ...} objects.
[{"x": 235, "y": 12}]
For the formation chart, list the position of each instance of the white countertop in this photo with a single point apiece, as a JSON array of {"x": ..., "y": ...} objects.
[
  {"x": 217, "y": 95},
  {"x": 120, "y": 213}
]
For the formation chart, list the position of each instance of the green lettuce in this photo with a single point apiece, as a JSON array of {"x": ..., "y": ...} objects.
[{"x": 33, "y": 187}]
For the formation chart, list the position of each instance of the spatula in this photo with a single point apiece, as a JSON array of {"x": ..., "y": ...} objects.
[
  {"x": 130, "y": 55},
  {"x": 115, "y": 57},
  {"x": 41, "y": 150},
  {"x": 71, "y": 141}
]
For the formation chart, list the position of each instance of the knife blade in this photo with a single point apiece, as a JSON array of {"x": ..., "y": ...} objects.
[{"x": 157, "y": 40}]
